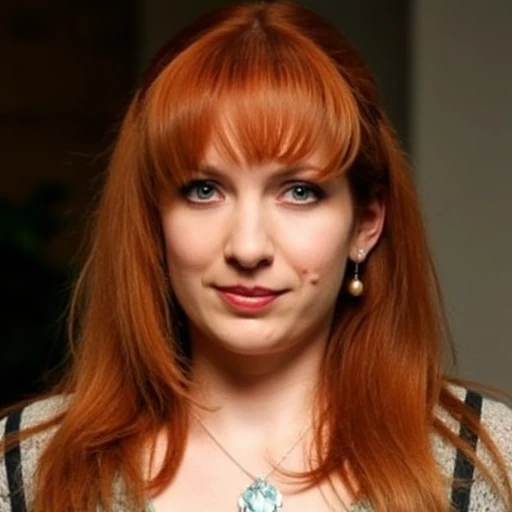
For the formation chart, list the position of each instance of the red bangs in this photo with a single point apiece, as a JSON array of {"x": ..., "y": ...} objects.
[{"x": 258, "y": 96}]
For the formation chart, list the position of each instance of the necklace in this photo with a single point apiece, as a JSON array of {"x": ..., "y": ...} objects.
[{"x": 260, "y": 495}]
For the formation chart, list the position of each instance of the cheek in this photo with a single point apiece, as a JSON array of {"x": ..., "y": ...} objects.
[
  {"x": 319, "y": 249},
  {"x": 189, "y": 245}
]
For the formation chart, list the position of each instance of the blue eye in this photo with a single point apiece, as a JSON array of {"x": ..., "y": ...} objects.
[
  {"x": 199, "y": 191},
  {"x": 303, "y": 193}
]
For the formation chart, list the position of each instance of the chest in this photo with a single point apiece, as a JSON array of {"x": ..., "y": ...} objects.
[{"x": 215, "y": 484}]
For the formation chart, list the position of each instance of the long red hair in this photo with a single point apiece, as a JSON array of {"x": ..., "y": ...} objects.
[{"x": 285, "y": 82}]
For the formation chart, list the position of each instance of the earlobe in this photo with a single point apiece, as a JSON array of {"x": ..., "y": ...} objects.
[{"x": 368, "y": 229}]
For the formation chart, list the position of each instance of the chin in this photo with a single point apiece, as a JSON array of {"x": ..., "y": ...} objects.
[
  {"x": 252, "y": 346},
  {"x": 243, "y": 337}
]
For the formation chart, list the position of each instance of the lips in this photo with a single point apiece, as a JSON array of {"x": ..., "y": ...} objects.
[
  {"x": 248, "y": 299},
  {"x": 256, "y": 291}
]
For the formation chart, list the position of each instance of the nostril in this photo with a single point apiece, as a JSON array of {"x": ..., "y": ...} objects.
[{"x": 249, "y": 265}]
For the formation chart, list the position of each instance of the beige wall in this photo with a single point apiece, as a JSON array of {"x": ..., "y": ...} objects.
[{"x": 462, "y": 145}]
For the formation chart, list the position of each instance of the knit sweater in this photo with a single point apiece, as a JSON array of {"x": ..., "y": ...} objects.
[{"x": 496, "y": 417}]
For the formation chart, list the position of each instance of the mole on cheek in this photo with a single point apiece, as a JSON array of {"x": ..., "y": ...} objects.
[{"x": 312, "y": 276}]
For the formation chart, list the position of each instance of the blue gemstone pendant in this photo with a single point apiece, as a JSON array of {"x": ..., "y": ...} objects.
[{"x": 260, "y": 496}]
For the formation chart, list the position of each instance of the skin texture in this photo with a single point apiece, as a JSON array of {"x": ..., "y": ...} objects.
[{"x": 265, "y": 226}]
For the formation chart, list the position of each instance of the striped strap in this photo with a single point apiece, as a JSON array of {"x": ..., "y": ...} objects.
[
  {"x": 464, "y": 469},
  {"x": 13, "y": 466}
]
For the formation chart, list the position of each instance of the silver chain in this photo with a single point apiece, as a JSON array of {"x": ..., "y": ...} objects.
[{"x": 250, "y": 475}]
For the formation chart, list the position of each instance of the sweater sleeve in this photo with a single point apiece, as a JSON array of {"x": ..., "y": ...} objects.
[
  {"x": 30, "y": 449},
  {"x": 4, "y": 491},
  {"x": 497, "y": 419}
]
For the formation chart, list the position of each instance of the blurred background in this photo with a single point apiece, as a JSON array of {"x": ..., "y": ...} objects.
[{"x": 68, "y": 72}]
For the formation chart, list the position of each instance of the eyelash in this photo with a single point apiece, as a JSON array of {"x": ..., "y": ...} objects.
[
  {"x": 311, "y": 189},
  {"x": 188, "y": 188},
  {"x": 194, "y": 185}
]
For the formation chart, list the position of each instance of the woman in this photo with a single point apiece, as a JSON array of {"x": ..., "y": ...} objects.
[{"x": 258, "y": 323}]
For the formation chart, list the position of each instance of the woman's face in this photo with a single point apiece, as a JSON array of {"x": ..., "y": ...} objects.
[{"x": 256, "y": 255}]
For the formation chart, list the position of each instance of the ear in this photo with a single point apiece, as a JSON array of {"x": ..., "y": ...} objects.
[{"x": 368, "y": 228}]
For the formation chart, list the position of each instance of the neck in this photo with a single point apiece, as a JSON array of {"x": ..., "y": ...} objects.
[{"x": 258, "y": 394}]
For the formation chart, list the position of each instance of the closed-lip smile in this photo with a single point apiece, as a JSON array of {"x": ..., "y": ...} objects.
[
  {"x": 255, "y": 291},
  {"x": 245, "y": 298}
]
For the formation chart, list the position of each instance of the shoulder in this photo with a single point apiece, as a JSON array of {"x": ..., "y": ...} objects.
[
  {"x": 38, "y": 412},
  {"x": 22, "y": 460},
  {"x": 496, "y": 418}
]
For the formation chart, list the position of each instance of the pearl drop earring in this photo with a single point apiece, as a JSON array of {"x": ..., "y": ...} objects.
[{"x": 355, "y": 286}]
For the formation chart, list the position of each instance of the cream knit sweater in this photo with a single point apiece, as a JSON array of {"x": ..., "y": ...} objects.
[{"x": 496, "y": 417}]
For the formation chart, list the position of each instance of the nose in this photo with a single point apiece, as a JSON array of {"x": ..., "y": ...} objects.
[{"x": 249, "y": 243}]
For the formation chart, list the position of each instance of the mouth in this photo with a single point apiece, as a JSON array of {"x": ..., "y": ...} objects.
[{"x": 242, "y": 298}]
